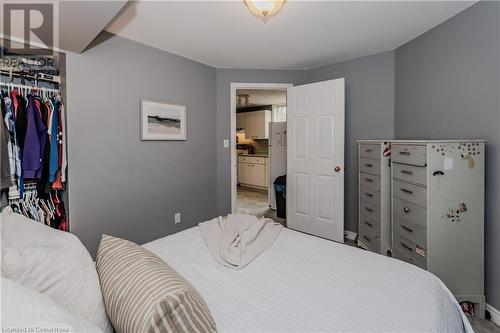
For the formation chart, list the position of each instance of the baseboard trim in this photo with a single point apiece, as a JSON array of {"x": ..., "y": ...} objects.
[
  {"x": 350, "y": 235},
  {"x": 495, "y": 314}
]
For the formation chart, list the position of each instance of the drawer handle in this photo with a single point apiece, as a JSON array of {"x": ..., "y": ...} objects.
[
  {"x": 406, "y": 228},
  {"x": 369, "y": 194},
  {"x": 369, "y": 165},
  {"x": 368, "y": 224},
  {"x": 408, "y": 172},
  {"x": 368, "y": 239},
  {"x": 404, "y": 153},
  {"x": 368, "y": 150},
  {"x": 406, "y": 191},
  {"x": 406, "y": 210},
  {"x": 406, "y": 246},
  {"x": 369, "y": 180},
  {"x": 369, "y": 209}
]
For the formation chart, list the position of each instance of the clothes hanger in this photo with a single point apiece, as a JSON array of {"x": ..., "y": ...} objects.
[{"x": 51, "y": 204}]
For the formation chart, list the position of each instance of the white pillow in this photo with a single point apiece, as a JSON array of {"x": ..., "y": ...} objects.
[
  {"x": 26, "y": 310},
  {"x": 54, "y": 263}
]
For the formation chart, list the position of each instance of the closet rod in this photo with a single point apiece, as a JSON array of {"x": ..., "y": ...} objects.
[
  {"x": 40, "y": 77},
  {"x": 24, "y": 86}
]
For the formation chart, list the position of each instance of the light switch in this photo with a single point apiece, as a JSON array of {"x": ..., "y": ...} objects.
[{"x": 226, "y": 143}]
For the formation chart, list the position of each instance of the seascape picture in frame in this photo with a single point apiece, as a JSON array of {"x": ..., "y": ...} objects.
[{"x": 162, "y": 121}]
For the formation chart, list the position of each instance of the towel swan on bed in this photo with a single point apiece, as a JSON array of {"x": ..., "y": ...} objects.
[{"x": 234, "y": 241}]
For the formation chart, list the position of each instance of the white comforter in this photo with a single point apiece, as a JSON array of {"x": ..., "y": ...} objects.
[{"x": 307, "y": 284}]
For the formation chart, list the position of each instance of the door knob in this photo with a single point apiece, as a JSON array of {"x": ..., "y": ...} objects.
[{"x": 337, "y": 168}]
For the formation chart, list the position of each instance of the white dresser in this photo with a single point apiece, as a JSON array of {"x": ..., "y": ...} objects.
[
  {"x": 374, "y": 179},
  {"x": 438, "y": 212}
]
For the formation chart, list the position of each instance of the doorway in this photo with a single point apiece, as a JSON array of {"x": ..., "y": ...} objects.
[
  {"x": 255, "y": 109},
  {"x": 315, "y": 126}
]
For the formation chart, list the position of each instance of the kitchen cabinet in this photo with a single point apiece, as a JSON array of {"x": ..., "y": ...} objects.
[
  {"x": 252, "y": 171},
  {"x": 240, "y": 121},
  {"x": 255, "y": 124},
  {"x": 244, "y": 170}
]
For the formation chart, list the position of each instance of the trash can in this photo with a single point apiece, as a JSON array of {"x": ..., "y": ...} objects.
[{"x": 280, "y": 192}]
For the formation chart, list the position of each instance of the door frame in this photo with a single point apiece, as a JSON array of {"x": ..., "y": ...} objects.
[{"x": 234, "y": 161}]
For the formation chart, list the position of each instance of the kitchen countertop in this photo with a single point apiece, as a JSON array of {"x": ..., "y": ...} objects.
[{"x": 255, "y": 155}]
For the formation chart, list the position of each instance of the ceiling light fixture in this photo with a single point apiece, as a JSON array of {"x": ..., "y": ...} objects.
[{"x": 264, "y": 9}]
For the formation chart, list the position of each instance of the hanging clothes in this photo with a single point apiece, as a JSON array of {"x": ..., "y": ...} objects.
[
  {"x": 34, "y": 143},
  {"x": 34, "y": 157},
  {"x": 54, "y": 142},
  {"x": 5, "y": 165},
  {"x": 12, "y": 146},
  {"x": 5, "y": 175},
  {"x": 64, "y": 162},
  {"x": 20, "y": 116},
  {"x": 21, "y": 124},
  {"x": 44, "y": 178},
  {"x": 57, "y": 184},
  {"x": 60, "y": 220}
]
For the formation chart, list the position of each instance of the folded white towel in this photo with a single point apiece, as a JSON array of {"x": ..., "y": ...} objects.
[{"x": 238, "y": 239}]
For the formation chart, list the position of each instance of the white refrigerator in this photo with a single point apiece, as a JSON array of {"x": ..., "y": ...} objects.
[{"x": 277, "y": 156}]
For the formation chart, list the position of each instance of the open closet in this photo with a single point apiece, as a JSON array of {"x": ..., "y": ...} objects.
[{"x": 33, "y": 138}]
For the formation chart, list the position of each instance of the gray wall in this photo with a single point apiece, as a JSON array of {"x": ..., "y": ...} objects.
[
  {"x": 369, "y": 112},
  {"x": 224, "y": 79},
  {"x": 448, "y": 86},
  {"x": 117, "y": 184}
]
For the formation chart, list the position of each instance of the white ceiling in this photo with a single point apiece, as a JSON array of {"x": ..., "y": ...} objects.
[
  {"x": 79, "y": 22},
  {"x": 305, "y": 34}
]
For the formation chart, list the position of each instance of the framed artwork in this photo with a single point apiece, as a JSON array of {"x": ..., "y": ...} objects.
[{"x": 162, "y": 121}]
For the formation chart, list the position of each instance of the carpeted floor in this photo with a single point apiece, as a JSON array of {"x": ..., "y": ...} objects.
[{"x": 483, "y": 325}]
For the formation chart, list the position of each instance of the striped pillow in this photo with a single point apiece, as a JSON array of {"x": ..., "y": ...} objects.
[{"x": 144, "y": 294}]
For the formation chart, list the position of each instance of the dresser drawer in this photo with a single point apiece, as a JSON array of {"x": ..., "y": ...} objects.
[
  {"x": 410, "y": 212},
  {"x": 369, "y": 181},
  {"x": 410, "y": 192},
  {"x": 370, "y": 196},
  {"x": 251, "y": 159},
  {"x": 410, "y": 230},
  {"x": 403, "y": 257},
  {"x": 369, "y": 211},
  {"x": 406, "y": 250},
  {"x": 369, "y": 240},
  {"x": 410, "y": 173},
  {"x": 409, "y": 154},
  {"x": 370, "y": 151},
  {"x": 369, "y": 166},
  {"x": 368, "y": 224}
]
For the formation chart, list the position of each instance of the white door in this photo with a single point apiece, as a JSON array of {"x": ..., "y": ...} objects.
[{"x": 315, "y": 159}]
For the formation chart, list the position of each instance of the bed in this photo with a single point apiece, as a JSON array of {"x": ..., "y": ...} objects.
[{"x": 307, "y": 284}]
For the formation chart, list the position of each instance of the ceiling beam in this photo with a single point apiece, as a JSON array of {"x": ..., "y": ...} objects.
[{"x": 81, "y": 21}]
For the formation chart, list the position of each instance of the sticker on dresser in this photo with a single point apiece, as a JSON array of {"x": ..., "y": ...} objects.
[
  {"x": 454, "y": 214},
  {"x": 467, "y": 151}
]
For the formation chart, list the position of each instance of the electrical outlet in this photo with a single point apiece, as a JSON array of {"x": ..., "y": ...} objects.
[
  {"x": 226, "y": 143},
  {"x": 177, "y": 218}
]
